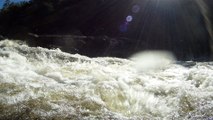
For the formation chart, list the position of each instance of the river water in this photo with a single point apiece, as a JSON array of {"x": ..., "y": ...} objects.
[{"x": 39, "y": 83}]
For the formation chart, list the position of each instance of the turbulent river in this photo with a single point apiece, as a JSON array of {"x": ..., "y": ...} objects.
[{"x": 38, "y": 83}]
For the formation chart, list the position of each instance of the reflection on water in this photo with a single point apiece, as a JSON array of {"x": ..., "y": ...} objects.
[{"x": 38, "y": 83}]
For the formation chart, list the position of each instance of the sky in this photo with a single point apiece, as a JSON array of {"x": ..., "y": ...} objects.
[{"x": 2, "y": 2}]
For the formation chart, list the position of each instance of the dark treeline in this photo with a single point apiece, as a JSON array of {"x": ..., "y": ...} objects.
[
  {"x": 110, "y": 27},
  {"x": 88, "y": 17}
]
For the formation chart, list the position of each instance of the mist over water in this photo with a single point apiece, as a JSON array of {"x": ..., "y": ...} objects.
[
  {"x": 149, "y": 61},
  {"x": 39, "y": 83}
]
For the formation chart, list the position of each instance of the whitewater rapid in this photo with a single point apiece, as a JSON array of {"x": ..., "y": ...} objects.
[{"x": 38, "y": 83}]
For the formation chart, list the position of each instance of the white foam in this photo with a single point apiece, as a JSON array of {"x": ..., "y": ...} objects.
[{"x": 54, "y": 84}]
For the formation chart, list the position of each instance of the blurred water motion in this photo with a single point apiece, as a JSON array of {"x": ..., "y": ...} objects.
[
  {"x": 152, "y": 61},
  {"x": 39, "y": 83},
  {"x": 158, "y": 83}
]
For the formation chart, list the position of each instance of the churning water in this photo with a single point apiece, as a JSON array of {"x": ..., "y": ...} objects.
[{"x": 38, "y": 83}]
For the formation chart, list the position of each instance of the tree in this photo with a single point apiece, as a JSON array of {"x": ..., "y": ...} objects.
[{"x": 6, "y": 4}]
